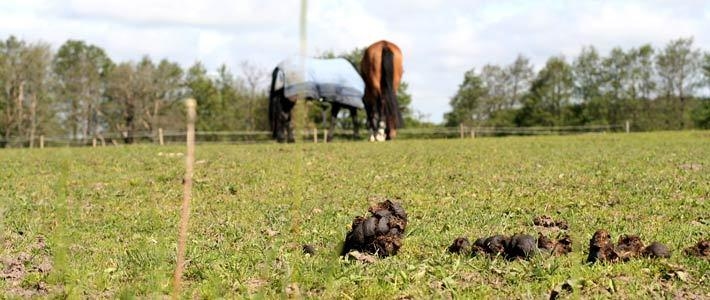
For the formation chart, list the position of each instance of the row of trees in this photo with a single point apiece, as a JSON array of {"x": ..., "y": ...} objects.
[
  {"x": 652, "y": 88},
  {"x": 80, "y": 93}
]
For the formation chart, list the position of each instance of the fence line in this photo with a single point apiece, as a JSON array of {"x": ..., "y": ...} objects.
[{"x": 162, "y": 137}]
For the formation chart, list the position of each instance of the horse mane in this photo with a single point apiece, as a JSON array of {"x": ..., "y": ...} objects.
[{"x": 388, "y": 94}]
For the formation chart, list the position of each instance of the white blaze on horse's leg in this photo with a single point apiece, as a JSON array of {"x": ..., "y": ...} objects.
[{"x": 381, "y": 132}]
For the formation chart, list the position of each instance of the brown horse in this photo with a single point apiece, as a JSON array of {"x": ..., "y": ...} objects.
[{"x": 381, "y": 69}]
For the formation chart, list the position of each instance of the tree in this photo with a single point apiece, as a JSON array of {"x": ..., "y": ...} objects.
[
  {"x": 588, "y": 81},
  {"x": 678, "y": 66},
  {"x": 550, "y": 94},
  {"x": 168, "y": 80},
  {"x": 209, "y": 102},
  {"x": 26, "y": 81},
  {"x": 467, "y": 101},
  {"x": 706, "y": 69},
  {"x": 518, "y": 75},
  {"x": 641, "y": 85},
  {"x": 81, "y": 70},
  {"x": 254, "y": 77}
]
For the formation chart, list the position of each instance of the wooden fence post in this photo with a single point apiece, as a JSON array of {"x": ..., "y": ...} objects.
[
  {"x": 325, "y": 135},
  {"x": 187, "y": 195},
  {"x": 461, "y": 129},
  {"x": 628, "y": 126},
  {"x": 160, "y": 136},
  {"x": 41, "y": 141},
  {"x": 93, "y": 143},
  {"x": 315, "y": 135},
  {"x": 473, "y": 133}
]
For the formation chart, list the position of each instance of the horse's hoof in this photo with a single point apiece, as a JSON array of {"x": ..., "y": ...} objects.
[
  {"x": 372, "y": 138},
  {"x": 380, "y": 137}
]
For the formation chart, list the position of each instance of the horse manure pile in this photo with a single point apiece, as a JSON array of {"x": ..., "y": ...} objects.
[
  {"x": 701, "y": 249},
  {"x": 517, "y": 246},
  {"x": 461, "y": 245},
  {"x": 559, "y": 246},
  {"x": 602, "y": 248},
  {"x": 381, "y": 233},
  {"x": 308, "y": 249},
  {"x": 547, "y": 221}
]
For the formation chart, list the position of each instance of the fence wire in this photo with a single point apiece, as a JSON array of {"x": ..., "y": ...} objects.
[{"x": 251, "y": 137}]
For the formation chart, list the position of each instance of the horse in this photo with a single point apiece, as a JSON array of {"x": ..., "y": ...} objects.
[
  {"x": 332, "y": 80},
  {"x": 381, "y": 69}
]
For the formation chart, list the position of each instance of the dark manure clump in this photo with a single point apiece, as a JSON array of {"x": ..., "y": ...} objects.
[
  {"x": 601, "y": 248},
  {"x": 560, "y": 246},
  {"x": 461, "y": 245},
  {"x": 381, "y": 233},
  {"x": 701, "y": 249},
  {"x": 656, "y": 250}
]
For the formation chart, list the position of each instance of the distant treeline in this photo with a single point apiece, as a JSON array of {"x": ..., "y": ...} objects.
[
  {"x": 654, "y": 89},
  {"x": 80, "y": 93}
]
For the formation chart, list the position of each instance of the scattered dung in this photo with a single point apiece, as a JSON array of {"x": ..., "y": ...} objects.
[
  {"x": 521, "y": 246},
  {"x": 495, "y": 245},
  {"x": 309, "y": 249},
  {"x": 381, "y": 233},
  {"x": 656, "y": 250},
  {"x": 518, "y": 246},
  {"x": 461, "y": 245},
  {"x": 629, "y": 246},
  {"x": 547, "y": 221},
  {"x": 601, "y": 248},
  {"x": 561, "y": 246},
  {"x": 701, "y": 249}
]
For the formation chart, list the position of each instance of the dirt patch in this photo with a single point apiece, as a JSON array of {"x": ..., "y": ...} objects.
[
  {"x": 547, "y": 221},
  {"x": 701, "y": 249},
  {"x": 381, "y": 233},
  {"x": 17, "y": 268},
  {"x": 691, "y": 167}
]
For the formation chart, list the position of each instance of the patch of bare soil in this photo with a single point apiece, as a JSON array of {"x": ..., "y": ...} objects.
[
  {"x": 381, "y": 233},
  {"x": 18, "y": 267},
  {"x": 701, "y": 249}
]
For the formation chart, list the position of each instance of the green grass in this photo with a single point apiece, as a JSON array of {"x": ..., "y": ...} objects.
[{"x": 110, "y": 216}]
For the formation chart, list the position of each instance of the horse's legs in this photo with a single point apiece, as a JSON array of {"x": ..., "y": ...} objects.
[
  {"x": 285, "y": 128},
  {"x": 334, "y": 110},
  {"x": 371, "y": 121},
  {"x": 381, "y": 136},
  {"x": 356, "y": 124}
]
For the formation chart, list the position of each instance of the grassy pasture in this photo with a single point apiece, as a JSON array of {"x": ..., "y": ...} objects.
[{"x": 109, "y": 216}]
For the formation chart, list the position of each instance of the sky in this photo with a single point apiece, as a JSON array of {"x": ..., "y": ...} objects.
[{"x": 440, "y": 40}]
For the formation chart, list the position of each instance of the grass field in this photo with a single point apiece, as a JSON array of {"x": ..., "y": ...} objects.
[{"x": 102, "y": 223}]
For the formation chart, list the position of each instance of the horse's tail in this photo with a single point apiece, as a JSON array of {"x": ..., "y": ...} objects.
[
  {"x": 274, "y": 104},
  {"x": 388, "y": 94}
]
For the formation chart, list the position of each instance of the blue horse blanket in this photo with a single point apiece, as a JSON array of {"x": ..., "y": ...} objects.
[{"x": 333, "y": 80}]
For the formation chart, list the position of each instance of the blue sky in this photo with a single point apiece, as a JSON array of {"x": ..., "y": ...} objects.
[{"x": 440, "y": 39}]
